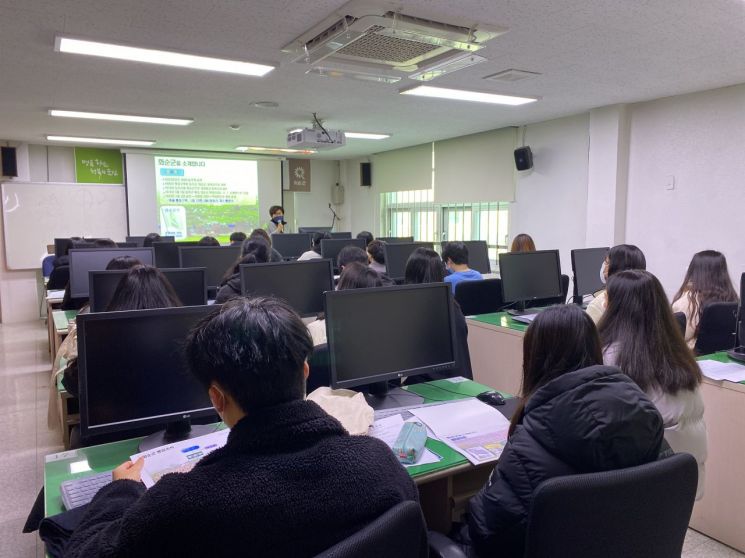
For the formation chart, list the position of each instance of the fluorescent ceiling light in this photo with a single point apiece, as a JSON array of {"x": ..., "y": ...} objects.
[
  {"x": 461, "y": 95},
  {"x": 121, "y": 117},
  {"x": 365, "y": 135},
  {"x": 106, "y": 141},
  {"x": 152, "y": 56},
  {"x": 275, "y": 149}
]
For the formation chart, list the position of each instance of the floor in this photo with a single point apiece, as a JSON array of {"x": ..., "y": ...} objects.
[{"x": 24, "y": 376}]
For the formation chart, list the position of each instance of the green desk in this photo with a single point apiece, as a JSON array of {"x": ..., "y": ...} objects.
[
  {"x": 444, "y": 486},
  {"x": 60, "y": 325},
  {"x": 719, "y": 514},
  {"x": 495, "y": 342}
]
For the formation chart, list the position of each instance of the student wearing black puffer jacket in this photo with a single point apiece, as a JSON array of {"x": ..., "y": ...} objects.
[{"x": 577, "y": 416}]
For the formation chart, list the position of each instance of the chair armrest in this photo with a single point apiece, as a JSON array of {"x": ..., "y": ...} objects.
[{"x": 441, "y": 546}]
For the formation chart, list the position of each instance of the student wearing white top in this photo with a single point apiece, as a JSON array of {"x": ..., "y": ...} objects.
[
  {"x": 315, "y": 252},
  {"x": 619, "y": 258},
  {"x": 640, "y": 336},
  {"x": 707, "y": 280}
]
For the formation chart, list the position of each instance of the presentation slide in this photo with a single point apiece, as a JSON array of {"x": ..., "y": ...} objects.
[{"x": 198, "y": 197}]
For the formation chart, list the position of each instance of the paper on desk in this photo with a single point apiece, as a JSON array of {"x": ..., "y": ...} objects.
[
  {"x": 179, "y": 457},
  {"x": 387, "y": 429},
  {"x": 470, "y": 427},
  {"x": 56, "y": 294},
  {"x": 722, "y": 370},
  {"x": 456, "y": 380}
]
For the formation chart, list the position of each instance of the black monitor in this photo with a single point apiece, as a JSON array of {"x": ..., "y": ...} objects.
[
  {"x": 397, "y": 254},
  {"x": 301, "y": 284},
  {"x": 396, "y": 239},
  {"x": 217, "y": 259},
  {"x": 83, "y": 260},
  {"x": 61, "y": 245},
  {"x": 478, "y": 254},
  {"x": 140, "y": 240},
  {"x": 375, "y": 335},
  {"x": 190, "y": 285},
  {"x": 530, "y": 275},
  {"x": 330, "y": 247},
  {"x": 586, "y": 266},
  {"x": 314, "y": 229},
  {"x": 166, "y": 252},
  {"x": 291, "y": 245},
  {"x": 127, "y": 245},
  {"x": 341, "y": 234},
  {"x": 132, "y": 373}
]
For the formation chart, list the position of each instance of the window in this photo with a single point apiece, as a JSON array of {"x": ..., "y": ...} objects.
[{"x": 414, "y": 213}]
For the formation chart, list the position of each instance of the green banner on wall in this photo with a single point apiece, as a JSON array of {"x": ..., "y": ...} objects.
[{"x": 98, "y": 166}]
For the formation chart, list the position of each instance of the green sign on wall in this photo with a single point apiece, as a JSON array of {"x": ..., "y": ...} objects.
[{"x": 102, "y": 166}]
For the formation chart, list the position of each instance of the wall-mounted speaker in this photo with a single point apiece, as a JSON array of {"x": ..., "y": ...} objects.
[
  {"x": 523, "y": 158},
  {"x": 365, "y": 174},
  {"x": 8, "y": 164}
]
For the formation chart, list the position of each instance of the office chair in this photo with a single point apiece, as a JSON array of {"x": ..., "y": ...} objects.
[
  {"x": 552, "y": 300},
  {"x": 320, "y": 373},
  {"x": 398, "y": 533},
  {"x": 716, "y": 331},
  {"x": 479, "y": 297},
  {"x": 680, "y": 318},
  {"x": 640, "y": 511}
]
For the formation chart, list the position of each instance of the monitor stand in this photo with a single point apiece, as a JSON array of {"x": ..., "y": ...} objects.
[
  {"x": 521, "y": 311},
  {"x": 175, "y": 431},
  {"x": 380, "y": 396}
]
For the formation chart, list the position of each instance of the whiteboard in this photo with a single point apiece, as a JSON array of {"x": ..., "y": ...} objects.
[{"x": 34, "y": 214}]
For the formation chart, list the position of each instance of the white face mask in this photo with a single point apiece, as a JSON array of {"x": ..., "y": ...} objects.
[{"x": 603, "y": 267}]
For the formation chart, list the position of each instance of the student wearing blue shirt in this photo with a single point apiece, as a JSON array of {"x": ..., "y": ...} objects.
[{"x": 455, "y": 256}]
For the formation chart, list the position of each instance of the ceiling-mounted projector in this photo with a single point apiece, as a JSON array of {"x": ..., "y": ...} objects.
[{"x": 316, "y": 138}]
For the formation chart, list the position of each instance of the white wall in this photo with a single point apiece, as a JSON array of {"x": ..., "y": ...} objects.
[
  {"x": 312, "y": 208},
  {"x": 551, "y": 199},
  {"x": 699, "y": 139},
  {"x": 362, "y": 201}
]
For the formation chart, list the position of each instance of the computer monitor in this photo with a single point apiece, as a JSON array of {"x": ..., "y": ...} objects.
[
  {"x": 313, "y": 229},
  {"x": 291, "y": 245},
  {"x": 61, "y": 245},
  {"x": 397, "y": 254},
  {"x": 132, "y": 373},
  {"x": 301, "y": 284},
  {"x": 127, "y": 245},
  {"x": 478, "y": 254},
  {"x": 190, "y": 285},
  {"x": 530, "y": 275},
  {"x": 83, "y": 260},
  {"x": 217, "y": 259},
  {"x": 341, "y": 234},
  {"x": 140, "y": 240},
  {"x": 586, "y": 266},
  {"x": 365, "y": 349},
  {"x": 330, "y": 247},
  {"x": 166, "y": 252},
  {"x": 396, "y": 239}
]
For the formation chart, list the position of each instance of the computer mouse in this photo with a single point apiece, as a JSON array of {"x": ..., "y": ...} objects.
[{"x": 493, "y": 398}]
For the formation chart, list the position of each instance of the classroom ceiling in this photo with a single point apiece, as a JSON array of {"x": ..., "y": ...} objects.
[{"x": 589, "y": 53}]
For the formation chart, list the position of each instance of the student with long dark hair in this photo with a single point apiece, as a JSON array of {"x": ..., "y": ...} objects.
[
  {"x": 426, "y": 266},
  {"x": 707, "y": 280},
  {"x": 575, "y": 416},
  {"x": 522, "y": 243},
  {"x": 619, "y": 258},
  {"x": 641, "y": 337},
  {"x": 254, "y": 250},
  {"x": 261, "y": 234},
  {"x": 142, "y": 288}
]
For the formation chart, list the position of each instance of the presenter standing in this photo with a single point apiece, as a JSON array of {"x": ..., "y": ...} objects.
[{"x": 277, "y": 223}]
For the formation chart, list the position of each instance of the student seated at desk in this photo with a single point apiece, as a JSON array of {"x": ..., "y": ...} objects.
[
  {"x": 350, "y": 254},
  {"x": 522, "y": 243},
  {"x": 237, "y": 238},
  {"x": 290, "y": 482},
  {"x": 208, "y": 241},
  {"x": 455, "y": 256},
  {"x": 315, "y": 250},
  {"x": 376, "y": 256},
  {"x": 576, "y": 416},
  {"x": 425, "y": 266},
  {"x": 261, "y": 234},
  {"x": 707, "y": 280},
  {"x": 253, "y": 251},
  {"x": 367, "y": 235},
  {"x": 356, "y": 275},
  {"x": 641, "y": 337},
  {"x": 147, "y": 242},
  {"x": 619, "y": 258}
]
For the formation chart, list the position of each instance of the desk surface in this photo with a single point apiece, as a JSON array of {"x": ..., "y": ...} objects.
[
  {"x": 721, "y": 356},
  {"x": 59, "y": 467},
  {"x": 500, "y": 319},
  {"x": 62, "y": 319}
]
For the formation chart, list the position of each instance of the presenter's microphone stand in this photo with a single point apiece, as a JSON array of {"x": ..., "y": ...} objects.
[{"x": 335, "y": 218}]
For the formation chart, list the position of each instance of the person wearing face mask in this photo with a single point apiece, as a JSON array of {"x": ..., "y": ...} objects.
[
  {"x": 619, "y": 258},
  {"x": 277, "y": 223},
  {"x": 290, "y": 481},
  {"x": 455, "y": 256}
]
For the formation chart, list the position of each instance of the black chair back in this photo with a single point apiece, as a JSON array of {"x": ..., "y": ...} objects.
[
  {"x": 320, "y": 372},
  {"x": 680, "y": 317},
  {"x": 640, "y": 511},
  {"x": 553, "y": 300},
  {"x": 479, "y": 297},
  {"x": 716, "y": 331},
  {"x": 398, "y": 533}
]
